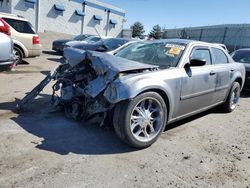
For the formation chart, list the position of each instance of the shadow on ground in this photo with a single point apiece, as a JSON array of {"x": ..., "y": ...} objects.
[
  {"x": 49, "y": 52},
  {"x": 58, "y": 60},
  {"x": 245, "y": 94},
  {"x": 62, "y": 135}
]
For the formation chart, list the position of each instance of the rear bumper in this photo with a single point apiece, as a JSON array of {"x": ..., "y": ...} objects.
[
  {"x": 58, "y": 48},
  {"x": 36, "y": 51}
]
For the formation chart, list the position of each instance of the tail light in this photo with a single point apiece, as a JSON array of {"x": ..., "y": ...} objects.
[
  {"x": 36, "y": 40},
  {"x": 4, "y": 27}
]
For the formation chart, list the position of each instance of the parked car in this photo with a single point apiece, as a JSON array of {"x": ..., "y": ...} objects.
[
  {"x": 89, "y": 40},
  {"x": 25, "y": 38},
  {"x": 59, "y": 45},
  {"x": 7, "y": 60},
  {"x": 146, "y": 86},
  {"x": 113, "y": 52},
  {"x": 105, "y": 45},
  {"x": 243, "y": 56}
]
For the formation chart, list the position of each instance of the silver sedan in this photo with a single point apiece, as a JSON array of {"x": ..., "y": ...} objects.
[{"x": 146, "y": 85}]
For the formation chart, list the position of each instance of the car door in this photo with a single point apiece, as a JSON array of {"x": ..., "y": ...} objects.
[
  {"x": 222, "y": 70},
  {"x": 198, "y": 83}
]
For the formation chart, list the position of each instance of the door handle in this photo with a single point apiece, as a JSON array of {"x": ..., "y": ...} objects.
[
  {"x": 212, "y": 73},
  {"x": 232, "y": 70}
]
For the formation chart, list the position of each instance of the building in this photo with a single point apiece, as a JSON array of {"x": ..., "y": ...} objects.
[
  {"x": 234, "y": 36},
  {"x": 69, "y": 16}
]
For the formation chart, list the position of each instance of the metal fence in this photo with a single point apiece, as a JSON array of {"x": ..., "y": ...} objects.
[{"x": 233, "y": 36}]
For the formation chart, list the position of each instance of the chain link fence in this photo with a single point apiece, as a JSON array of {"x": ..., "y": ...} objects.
[{"x": 233, "y": 36}]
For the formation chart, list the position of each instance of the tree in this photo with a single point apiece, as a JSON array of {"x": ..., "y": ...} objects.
[
  {"x": 137, "y": 29},
  {"x": 156, "y": 32}
]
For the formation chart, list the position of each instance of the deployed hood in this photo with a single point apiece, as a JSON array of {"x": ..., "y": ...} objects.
[
  {"x": 103, "y": 62},
  {"x": 106, "y": 66}
]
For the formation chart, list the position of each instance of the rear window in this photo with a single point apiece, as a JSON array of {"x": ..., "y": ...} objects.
[
  {"x": 20, "y": 26},
  {"x": 219, "y": 56}
]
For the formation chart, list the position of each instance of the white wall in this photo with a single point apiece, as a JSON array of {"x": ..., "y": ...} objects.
[
  {"x": 5, "y": 6},
  {"x": 60, "y": 21},
  {"x": 67, "y": 21}
]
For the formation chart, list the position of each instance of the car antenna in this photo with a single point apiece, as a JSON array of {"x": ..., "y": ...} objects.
[{"x": 99, "y": 35}]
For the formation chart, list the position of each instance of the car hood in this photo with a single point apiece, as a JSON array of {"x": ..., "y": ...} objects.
[
  {"x": 83, "y": 46},
  {"x": 101, "y": 60},
  {"x": 106, "y": 67},
  {"x": 73, "y": 42}
]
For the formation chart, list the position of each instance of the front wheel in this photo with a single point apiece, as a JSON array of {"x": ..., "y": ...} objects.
[
  {"x": 232, "y": 99},
  {"x": 140, "y": 121}
]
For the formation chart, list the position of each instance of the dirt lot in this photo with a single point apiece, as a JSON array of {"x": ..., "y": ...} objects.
[{"x": 43, "y": 149}]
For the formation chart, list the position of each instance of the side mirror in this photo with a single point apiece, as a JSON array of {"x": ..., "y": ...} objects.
[{"x": 197, "y": 62}]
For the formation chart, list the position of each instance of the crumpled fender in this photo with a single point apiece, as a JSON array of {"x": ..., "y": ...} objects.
[{"x": 119, "y": 90}]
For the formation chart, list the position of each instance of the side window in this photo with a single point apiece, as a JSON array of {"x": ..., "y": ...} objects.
[
  {"x": 201, "y": 54},
  {"x": 219, "y": 56}
]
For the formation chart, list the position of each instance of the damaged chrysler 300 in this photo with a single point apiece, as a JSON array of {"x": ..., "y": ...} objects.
[{"x": 145, "y": 86}]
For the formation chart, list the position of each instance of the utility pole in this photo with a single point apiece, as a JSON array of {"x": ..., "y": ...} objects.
[{"x": 107, "y": 24}]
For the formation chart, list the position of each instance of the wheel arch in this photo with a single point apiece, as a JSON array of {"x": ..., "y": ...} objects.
[
  {"x": 21, "y": 47},
  {"x": 239, "y": 80},
  {"x": 164, "y": 95}
]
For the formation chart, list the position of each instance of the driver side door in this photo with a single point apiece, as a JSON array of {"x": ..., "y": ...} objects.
[{"x": 198, "y": 83}]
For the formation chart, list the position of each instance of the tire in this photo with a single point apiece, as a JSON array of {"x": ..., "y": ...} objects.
[
  {"x": 19, "y": 55},
  {"x": 232, "y": 99},
  {"x": 140, "y": 121}
]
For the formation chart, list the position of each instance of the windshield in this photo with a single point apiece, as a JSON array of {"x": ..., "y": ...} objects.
[
  {"x": 242, "y": 56},
  {"x": 163, "y": 54},
  {"x": 80, "y": 37},
  {"x": 92, "y": 39}
]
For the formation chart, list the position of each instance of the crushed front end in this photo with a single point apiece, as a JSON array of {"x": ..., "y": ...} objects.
[{"x": 82, "y": 80}]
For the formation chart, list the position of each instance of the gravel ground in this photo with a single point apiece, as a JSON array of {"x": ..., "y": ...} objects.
[{"x": 43, "y": 149}]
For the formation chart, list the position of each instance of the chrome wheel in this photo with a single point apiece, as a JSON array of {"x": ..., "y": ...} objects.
[
  {"x": 146, "y": 119},
  {"x": 234, "y": 98}
]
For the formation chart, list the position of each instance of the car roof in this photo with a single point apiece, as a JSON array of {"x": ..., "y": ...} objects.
[
  {"x": 243, "y": 49},
  {"x": 13, "y": 16},
  {"x": 184, "y": 42}
]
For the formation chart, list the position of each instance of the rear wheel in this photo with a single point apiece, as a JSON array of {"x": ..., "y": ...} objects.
[
  {"x": 233, "y": 98},
  {"x": 139, "y": 122},
  {"x": 18, "y": 55}
]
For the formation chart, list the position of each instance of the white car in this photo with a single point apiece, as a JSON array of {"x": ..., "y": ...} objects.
[{"x": 25, "y": 39}]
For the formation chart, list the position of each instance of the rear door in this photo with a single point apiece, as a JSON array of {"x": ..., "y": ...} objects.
[
  {"x": 198, "y": 83},
  {"x": 223, "y": 70}
]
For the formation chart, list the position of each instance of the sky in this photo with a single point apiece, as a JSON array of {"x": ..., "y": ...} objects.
[{"x": 183, "y": 13}]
